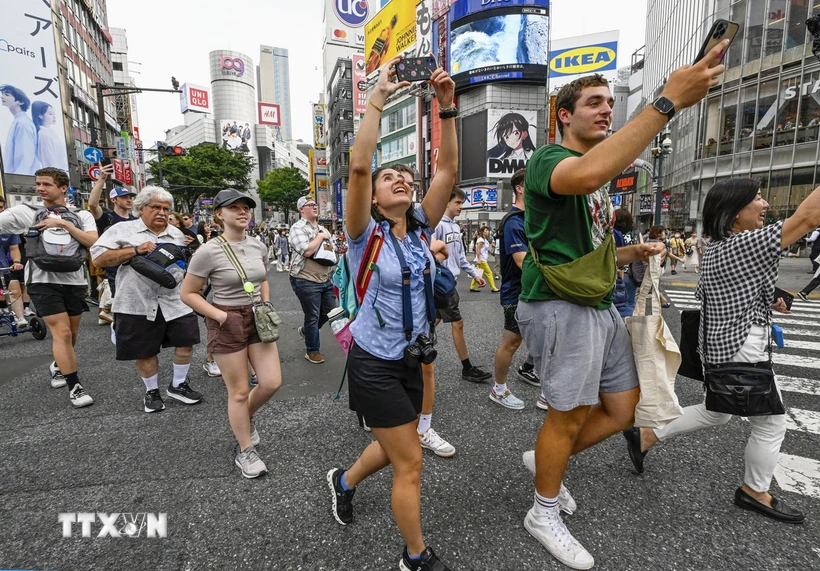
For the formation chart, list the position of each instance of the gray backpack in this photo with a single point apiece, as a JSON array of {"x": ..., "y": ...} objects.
[{"x": 54, "y": 249}]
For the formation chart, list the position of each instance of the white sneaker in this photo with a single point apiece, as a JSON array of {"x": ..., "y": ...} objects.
[
  {"x": 432, "y": 441},
  {"x": 507, "y": 400},
  {"x": 80, "y": 398},
  {"x": 566, "y": 502},
  {"x": 22, "y": 323},
  {"x": 250, "y": 463},
  {"x": 113, "y": 335},
  {"x": 57, "y": 378},
  {"x": 255, "y": 440},
  {"x": 551, "y": 532},
  {"x": 28, "y": 312},
  {"x": 104, "y": 317},
  {"x": 212, "y": 369}
]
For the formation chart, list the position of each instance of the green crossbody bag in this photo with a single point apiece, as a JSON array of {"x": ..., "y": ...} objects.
[{"x": 585, "y": 281}]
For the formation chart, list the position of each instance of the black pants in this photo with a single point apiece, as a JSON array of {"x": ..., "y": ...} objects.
[{"x": 812, "y": 286}]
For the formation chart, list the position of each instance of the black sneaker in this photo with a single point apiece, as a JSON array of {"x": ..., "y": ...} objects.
[
  {"x": 183, "y": 393},
  {"x": 529, "y": 376},
  {"x": 153, "y": 402},
  {"x": 427, "y": 562},
  {"x": 802, "y": 295},
  {"x": 342, "y": 500},
  {"x": 475, "y": 375}
]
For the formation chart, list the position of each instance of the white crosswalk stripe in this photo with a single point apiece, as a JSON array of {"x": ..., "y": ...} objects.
[{"x": 801, "y": 356}]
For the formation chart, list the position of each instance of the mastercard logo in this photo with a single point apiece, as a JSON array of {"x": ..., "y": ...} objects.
[{"x": 341, "y": 34}]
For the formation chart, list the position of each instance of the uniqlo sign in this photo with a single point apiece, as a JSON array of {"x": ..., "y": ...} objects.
[
  {"x": 269, "y": 114},
  {"x": 194, "y": 98}
]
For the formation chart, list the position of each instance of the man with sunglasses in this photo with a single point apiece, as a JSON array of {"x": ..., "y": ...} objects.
[{"x": 309, "y": 279}]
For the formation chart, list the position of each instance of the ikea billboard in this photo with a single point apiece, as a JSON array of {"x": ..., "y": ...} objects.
[{"x": 582, "y": 55}]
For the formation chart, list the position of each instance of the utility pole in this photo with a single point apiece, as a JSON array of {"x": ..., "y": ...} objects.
[{"x": 662, "y": 149}]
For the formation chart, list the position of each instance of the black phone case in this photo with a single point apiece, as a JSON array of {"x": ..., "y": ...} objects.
[
  {"x": 787, "y": 297},
  {"x": 416, "y": 69}
]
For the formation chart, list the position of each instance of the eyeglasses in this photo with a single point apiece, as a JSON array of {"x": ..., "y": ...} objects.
[
  {"x": 310, "y": 205},
  {"x": 158, "y": 208}
]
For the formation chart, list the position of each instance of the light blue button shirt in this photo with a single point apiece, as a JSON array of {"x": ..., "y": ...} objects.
[{"x": 385, "y": 293}]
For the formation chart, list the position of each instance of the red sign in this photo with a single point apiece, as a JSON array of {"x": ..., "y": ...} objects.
[
  {"x": 94, "y": 172},
  {"x": 128, "y": 178},
  {"x": 359, "y": 85},
  {"x": 198, "y": 98},
  {"x": 269, "y": 114},
  {"x": 119, "y": 170}
]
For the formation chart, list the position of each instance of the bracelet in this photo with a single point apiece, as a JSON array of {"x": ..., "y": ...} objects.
[
  {"x": 379, "y": 109},
  {"x": 16, "y": 262}
]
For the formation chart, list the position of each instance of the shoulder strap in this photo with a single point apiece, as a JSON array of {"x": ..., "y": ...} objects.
[
  {"x": 236, "y": 264},
  {"x": 406, "y": 301},
  {"x": 371, "y": 256},
  {"x": 507, "y": 216},
  {"x": 428, "y": 278}
]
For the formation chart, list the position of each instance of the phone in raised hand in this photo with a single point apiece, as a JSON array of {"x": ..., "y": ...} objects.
[
  {"x": 720, "y": 30},
  {"x": 416, "y": 68}
]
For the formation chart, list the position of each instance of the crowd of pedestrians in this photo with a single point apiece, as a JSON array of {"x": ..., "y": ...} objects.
[{"x": 569, "y": 268}]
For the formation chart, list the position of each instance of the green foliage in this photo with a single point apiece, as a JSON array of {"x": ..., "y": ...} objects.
[
  {"x": 205, "y": 170},
  {"x": 281, "y": 188}
]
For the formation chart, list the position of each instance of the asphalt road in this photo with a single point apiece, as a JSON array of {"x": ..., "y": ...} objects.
[{"x": 113, "y": 458}]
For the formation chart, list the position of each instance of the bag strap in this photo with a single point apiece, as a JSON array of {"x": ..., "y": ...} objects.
[
  {"x": 246, "y": 284},
  {"x": 406, "y": 301},
  {"x": 428, "y": 280},
  {"x": 368, "y": 264},
  {"x": 507, "y": 216}
]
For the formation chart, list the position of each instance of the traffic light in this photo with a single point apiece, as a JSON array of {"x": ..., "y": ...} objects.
[{"x": 171, "y": 150}]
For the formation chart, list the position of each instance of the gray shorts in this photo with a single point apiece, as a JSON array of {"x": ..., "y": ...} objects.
[{"x": 578, "y": 351}]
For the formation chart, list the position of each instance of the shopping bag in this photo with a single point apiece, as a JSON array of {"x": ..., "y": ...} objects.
[
  {"x": 657, "y": 356},
  {"x": 106, "y": 300}
]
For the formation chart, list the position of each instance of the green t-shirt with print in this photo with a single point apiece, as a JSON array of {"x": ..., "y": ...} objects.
[{"x": 561, "y": 228}]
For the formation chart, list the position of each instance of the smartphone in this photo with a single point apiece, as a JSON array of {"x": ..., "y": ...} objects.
[
  {"x": 721, "y": 30},
  {"x": 105, "y": 162},
  {"x": 416, "y": 68},
  {"x": 785, "y": 296}
]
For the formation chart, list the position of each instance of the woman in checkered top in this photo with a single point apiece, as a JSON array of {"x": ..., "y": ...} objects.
[{"x": 739, "y": 271}]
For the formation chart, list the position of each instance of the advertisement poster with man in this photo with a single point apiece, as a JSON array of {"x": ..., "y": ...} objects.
[
  {"x": 236, "y": 135},
  {"x": 511, "y": 137},
  {"x": 32, "y": 131},
  {"x": 391, "y": 32}
]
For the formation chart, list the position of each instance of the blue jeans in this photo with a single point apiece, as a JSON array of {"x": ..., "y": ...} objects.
[
  {"x": 628, "y": 307},
  {"x": 317, "y": 301}
]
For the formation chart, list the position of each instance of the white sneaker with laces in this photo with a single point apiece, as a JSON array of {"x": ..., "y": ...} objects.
[
  {"x": 507, "y": 400},
  {"x": 79, "y": 398},
  {"x": 28, "y": 312},
  {"x": 22, "y": 323},
  {"x": 432, "y": 441},
  {"x": 57, "y": 378},
  {"x": 566, "y": 502},
  {"x": 553, "y": 534},
  {"x": 212, "y": 369}
]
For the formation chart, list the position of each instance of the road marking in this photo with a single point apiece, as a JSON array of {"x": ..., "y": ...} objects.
[
  {"x": 795, "y": 344},
  {"x": 798, "y": 385},
  {"x": 799, "y": 475},
  {"x": 789, "y": 333},
  {"x": 796, "y": 361},
  {"x": 803, "y": 421}
]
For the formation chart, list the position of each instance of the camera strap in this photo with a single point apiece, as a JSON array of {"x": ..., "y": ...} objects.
[{"x": 406, "y": 301}]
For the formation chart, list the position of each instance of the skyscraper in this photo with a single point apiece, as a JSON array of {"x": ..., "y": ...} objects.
[{"x": 274, "y": 84}]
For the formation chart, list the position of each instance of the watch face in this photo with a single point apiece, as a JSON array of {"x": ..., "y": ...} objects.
[{"x": 664, "y": 105}]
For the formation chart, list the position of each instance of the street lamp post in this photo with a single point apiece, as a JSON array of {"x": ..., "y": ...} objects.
[{"x": 662, "y": 149}]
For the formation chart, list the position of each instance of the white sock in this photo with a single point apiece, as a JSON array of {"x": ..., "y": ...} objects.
[
  {"x": 500, "y": 389},
  {"x": 545, "y": 506},
  {"x": 424, "y": 422},
  {"x": 180, "y": 372},
  {"x": 151, "y": 383}
]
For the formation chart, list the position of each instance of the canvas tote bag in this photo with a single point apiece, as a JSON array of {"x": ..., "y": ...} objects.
[{"x": 656, "y": 353}]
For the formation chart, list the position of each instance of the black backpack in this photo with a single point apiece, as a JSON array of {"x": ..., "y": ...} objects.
[
  {"x": 499, "y": 232},
  {"x": 55, "y": 249}
]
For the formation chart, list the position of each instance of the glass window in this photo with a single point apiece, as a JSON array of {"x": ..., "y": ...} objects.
[
  {"x": 796, "y": 29},
  {"x": 764, "y": 126},
  {"x": 712, "y": 131},
  {"x": 809, "y": 107},
  {"x": 728, "y": 123},
  {"x": 787, "y": 120},
  {"x": 775, "y": 26},
  {"x": 754, "y": 33},
  {"x": 802, "y": 186},
  {"x": 748, "y": 101},
  {"x": 736, "y": 49},
  {"x": 778, "y": 197}
]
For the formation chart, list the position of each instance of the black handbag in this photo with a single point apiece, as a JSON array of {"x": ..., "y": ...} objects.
[
  {"x": 690, "y": 364},
  {"x": 741, "y": 389}
]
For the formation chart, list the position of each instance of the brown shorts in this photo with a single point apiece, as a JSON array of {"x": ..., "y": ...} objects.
[{"x": 238, "y": 331}]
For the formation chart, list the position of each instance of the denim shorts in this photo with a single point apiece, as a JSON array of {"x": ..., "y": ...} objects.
[{"x": 578, "y": 351}]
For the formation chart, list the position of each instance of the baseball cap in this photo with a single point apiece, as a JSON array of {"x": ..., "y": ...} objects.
[
  {"x": 302, "y": 201},
  {"x": 231, "y": 195},
  {"x": 120, "y": 191}
]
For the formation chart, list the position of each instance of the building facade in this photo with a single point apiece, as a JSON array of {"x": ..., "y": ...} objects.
[
  {"x": 762, "y": 121},
  {"x": 339, "y": 130},
  {"x": 273, "y": 79}
]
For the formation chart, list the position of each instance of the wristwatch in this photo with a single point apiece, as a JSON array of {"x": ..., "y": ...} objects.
[
  {"x": 664, "y": 106},
  {"x": 448, "y": 113}
]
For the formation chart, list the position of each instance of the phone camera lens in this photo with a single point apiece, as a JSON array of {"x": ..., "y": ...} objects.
[{"x": 401, "y": 66}]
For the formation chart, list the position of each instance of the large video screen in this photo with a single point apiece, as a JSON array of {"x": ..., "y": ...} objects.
[{"x": 505, "y": 44}]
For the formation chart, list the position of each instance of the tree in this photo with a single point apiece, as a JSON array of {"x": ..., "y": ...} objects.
[
  {"x": 205, "y": 170},
  {"x": 282, "y": 188}
]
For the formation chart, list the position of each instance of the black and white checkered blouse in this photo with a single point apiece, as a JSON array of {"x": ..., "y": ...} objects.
[{"x": 738, "y": 276}]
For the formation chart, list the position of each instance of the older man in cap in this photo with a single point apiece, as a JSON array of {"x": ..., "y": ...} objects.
[
  {"x": 149, "y": 316},
  {"x": 309, "y": 278}
]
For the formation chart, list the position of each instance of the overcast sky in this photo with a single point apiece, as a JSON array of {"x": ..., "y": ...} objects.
[{"x": 173, "y": 38}]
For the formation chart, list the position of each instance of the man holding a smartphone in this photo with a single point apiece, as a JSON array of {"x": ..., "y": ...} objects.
[{"x": 587, "y": 370}]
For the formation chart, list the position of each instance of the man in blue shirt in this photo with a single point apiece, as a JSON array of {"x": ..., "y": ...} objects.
[
  {"x": 20, "y": 152},
  {"x": 513, "y": 246}
]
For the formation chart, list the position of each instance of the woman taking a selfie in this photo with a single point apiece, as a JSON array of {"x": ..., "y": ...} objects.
[
  {"x": 385, "y": 375},
  {"x": 739, "y": 270},
  {"x": 232, "y": 334}
]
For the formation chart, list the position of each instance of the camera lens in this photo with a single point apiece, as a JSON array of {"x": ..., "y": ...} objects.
[{"x": 401, "y": 66}]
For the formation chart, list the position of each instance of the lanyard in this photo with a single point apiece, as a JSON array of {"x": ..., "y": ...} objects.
[{"x": 406, "y": 302}]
